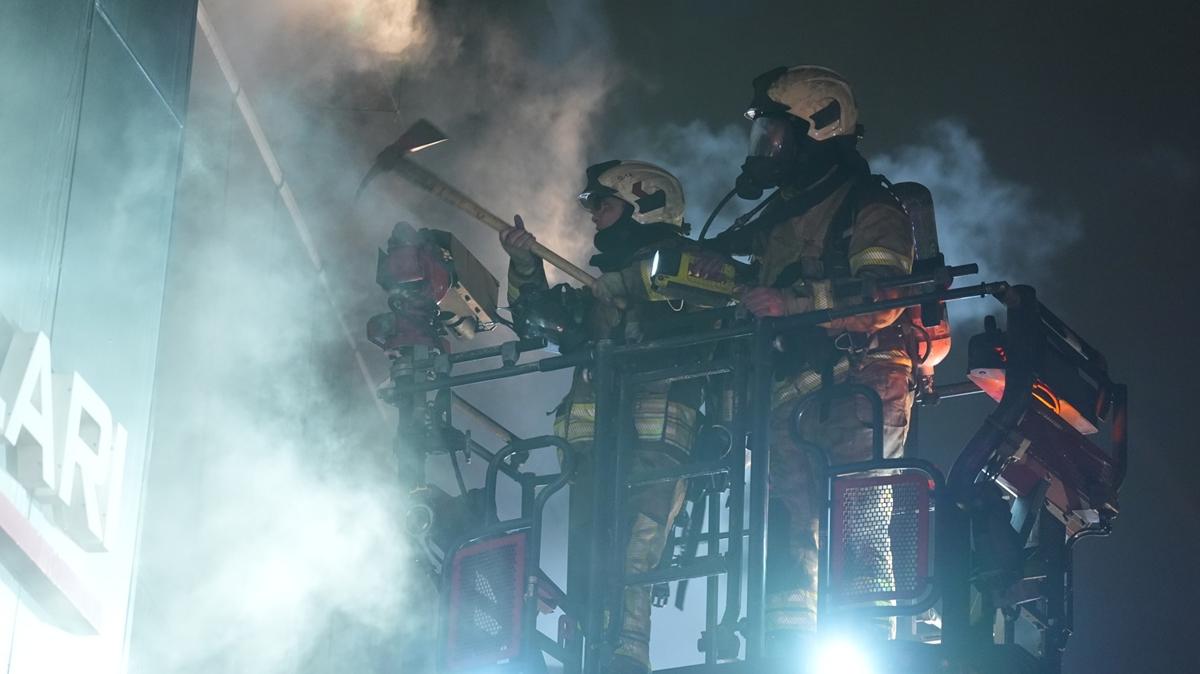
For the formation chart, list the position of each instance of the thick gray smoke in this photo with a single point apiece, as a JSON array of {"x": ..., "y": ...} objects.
[
  {"x": 982, "y": 217},
  {"x": 272, "y": 542},
  {"x": 272, "y": 529},
  {"x": 705, "y": 160}
]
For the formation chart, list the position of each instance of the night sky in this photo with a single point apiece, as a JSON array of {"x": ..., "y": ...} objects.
[{"x": 1094, "y": 107}]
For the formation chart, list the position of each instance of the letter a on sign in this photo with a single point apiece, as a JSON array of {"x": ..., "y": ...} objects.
[
  {"x": 25, "y": 383},
  {"x": 87, "y": 439}
]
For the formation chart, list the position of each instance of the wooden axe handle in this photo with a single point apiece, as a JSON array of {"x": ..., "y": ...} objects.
[{"x": 430, "y": 182}]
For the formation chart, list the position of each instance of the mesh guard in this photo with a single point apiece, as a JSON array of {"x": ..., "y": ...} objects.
[
  {"x": 485, "y": 599},
  {"x": 880, "y": 539}
]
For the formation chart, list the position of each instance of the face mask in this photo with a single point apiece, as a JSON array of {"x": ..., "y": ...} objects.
[
  {"x": 781, "y": 153},
  {"x": 776, "y": 136},
  {"x": 758, "y": 174}
]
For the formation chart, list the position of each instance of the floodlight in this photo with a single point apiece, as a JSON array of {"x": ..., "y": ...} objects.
[{"x": 839, "y": 655}]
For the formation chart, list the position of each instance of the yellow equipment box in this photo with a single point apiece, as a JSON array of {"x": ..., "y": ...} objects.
[{"x": 669, "y": 276}]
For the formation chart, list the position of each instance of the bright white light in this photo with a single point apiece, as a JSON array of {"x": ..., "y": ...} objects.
[
  {"x": 840, "y": 656},
  {"x": 654, "y": 264},
  {"x": 427, "y": 145}
]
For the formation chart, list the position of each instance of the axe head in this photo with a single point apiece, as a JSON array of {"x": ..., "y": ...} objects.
[{"x": 420, "y": 135}]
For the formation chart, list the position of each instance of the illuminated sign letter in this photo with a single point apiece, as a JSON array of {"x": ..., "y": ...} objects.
[
  {"x": 72, "y": 461},
  {"x": 87, "y": 439}
]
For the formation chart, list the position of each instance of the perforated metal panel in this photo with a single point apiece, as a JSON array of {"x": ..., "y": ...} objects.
[
  {"x": 484, "y": 611},
  {"x": 909, "y": 526},
  {"x": 879, "y": 538}
]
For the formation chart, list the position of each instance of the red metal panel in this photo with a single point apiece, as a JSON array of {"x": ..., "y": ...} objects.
[
  {"x": 50, "y": 582},
  {"x": 457, "y": 659}
]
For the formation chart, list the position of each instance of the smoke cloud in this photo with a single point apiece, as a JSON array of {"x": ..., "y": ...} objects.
[
  {"x": 706, "y": 161},
  {"x": 273, "y": 531},
  {"x": 982, "y": 216},
  {"x": 272, "y": 541},
  {"x": 388, "y": 28}
]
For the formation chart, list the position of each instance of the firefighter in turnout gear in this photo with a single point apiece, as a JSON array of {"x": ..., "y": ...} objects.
[
  {"x": 637, "y": 208},
  {"x": 828, "y": 220}
]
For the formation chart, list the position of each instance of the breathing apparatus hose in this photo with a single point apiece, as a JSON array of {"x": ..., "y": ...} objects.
[
  {"x": 742, "y": 219},
  {"x": 712, "y": 216}
]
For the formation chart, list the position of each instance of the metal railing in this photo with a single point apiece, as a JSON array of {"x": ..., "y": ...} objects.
[{"x": 746, "y": 361}]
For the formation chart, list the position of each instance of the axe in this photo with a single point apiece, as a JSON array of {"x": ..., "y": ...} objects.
[{"x": 421, "y": 135}]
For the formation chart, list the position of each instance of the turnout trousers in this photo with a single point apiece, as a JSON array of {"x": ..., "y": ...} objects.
[
  {"x": 665, "y": 429},
  {"x": 845, "y": 435},
  {"x": 649, "y": 515}
]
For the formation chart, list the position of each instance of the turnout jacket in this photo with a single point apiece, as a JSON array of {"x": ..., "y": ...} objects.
[
  {"x": 848, "y": 225},
  {"x": 665, "y": 415}
]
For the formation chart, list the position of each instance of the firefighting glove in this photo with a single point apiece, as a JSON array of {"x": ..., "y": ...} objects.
[
  {"x": 762, "y": 301},
  {"x": 611, "y": 288},
  {"x": 518, "y": 242}
]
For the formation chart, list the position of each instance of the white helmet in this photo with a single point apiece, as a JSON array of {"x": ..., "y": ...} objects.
[
  {"x": 817, "y": 95},
  {"x": 654, "y": 194}
]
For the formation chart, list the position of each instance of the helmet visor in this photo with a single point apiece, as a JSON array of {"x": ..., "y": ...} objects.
[
  {"x": 773, "y": 136},
  {"x": 591, "y": 199}
]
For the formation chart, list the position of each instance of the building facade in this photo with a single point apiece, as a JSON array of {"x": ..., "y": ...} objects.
[{"x": 91, "y": 127}]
